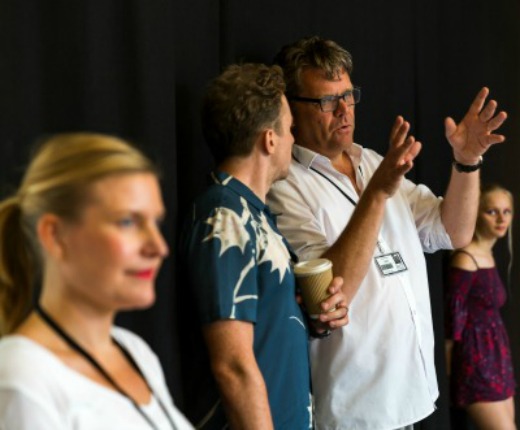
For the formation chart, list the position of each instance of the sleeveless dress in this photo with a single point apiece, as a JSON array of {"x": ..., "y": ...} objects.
[{"x": 482, "y": 369}]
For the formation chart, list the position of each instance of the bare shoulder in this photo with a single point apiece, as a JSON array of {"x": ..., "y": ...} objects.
[{"x": 463, "y": 259}]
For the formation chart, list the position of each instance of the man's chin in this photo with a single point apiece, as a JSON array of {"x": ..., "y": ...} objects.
[{"x": 282, "y": 176}]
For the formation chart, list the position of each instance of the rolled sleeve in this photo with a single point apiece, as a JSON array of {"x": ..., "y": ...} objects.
[
  {"x": 426, "y": 210},
  {"x": 295, "y": 219}
]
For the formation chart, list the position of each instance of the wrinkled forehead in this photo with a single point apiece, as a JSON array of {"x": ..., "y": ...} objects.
[{"x": 313, "y": 79}]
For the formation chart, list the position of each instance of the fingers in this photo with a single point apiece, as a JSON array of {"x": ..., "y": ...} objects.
[
  {"x": 395, "y": 128},
  {"x": 335, "y": 310},
  {"x": 408, "y": 152},
  {"x": 486, "y": 114},
  {"x": 403, "y": 155},
  {"x": 414, "y": 150},
  {"x": 335, "y": 285},
  {"x": 336, "y": 318},
  {"x": 336, "y": 298},
  {"x": 491, "y": 122},
  {"x": 397, "y": 161},
  {"x": 492, "y": 139},
  {"x": 472, "y": 136},
  {"x": 338, "y": 321},
  {"x": 403, "y": 147},
  {"x": 497, "y": 121},
  {"x": 478, "y": 103},
  {"x": 399, "y": 138},
  {"x": 450, "y": 126},
  {"x": 406, "y": 163},
  {"x": 489, "y": 110},
  {"x": 399, "y": 132}
]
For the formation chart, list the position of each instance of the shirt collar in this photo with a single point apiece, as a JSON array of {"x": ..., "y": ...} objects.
[
  {"x": 307, "y": 157},
  {"x": 227, "y": 180}
]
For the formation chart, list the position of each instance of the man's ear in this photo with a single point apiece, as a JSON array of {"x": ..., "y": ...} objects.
[
  {"x": 269, "y": 141},
  {"x": 48, "y": 230}
]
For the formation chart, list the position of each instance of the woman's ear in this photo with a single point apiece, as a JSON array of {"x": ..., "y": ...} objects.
[{"x": 48, "y": 230}]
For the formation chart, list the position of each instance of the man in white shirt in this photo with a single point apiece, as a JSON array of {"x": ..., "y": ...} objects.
[{"x": 347, "y": 203}]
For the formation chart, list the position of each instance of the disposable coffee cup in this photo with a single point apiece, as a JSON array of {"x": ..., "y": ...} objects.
[{"x": 313, "y": 278}]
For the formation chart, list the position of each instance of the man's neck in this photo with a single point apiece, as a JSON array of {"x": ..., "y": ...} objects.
[
  {"x": 250, "y": 172},
  {"x": 343, "y": 164},
  {"x": 341, "y": 161}
]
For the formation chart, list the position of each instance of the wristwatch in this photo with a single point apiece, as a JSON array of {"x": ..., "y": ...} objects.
[
  {"x": 321, "y": 335},
  {"x": 465, "y": 168}
]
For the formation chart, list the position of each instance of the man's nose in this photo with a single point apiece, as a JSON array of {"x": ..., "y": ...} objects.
[{"x": 344, "y": 105}]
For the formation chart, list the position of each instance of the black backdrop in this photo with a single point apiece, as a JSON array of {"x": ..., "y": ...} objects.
[{"x": 138, "y": 69}]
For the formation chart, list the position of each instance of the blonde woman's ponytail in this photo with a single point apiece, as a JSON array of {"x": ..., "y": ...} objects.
[{"x": 16, "y": 267}]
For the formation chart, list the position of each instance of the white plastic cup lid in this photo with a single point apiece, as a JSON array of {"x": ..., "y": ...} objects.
[{"x": 312, "y": 267}]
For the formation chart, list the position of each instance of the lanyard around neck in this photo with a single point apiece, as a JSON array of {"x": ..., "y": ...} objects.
[
  {"x": 350, "y": 199},
  {"x": 380, "y": 242},
  {"x": 85, "y": 354}
]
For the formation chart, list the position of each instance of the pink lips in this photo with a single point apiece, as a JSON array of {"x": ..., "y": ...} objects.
[
  {"x": 344, "y": 128},
  {"x": 143, "y": 274}
]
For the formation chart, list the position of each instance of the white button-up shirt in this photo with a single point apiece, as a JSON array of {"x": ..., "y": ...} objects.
[{"x": 378, "y": 372}]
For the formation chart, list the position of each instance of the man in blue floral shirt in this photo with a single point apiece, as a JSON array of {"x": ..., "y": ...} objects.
[{"x": 239, "y": 265}]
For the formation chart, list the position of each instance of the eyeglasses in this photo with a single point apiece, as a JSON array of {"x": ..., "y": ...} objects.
[{"x": 331, "y": 103}]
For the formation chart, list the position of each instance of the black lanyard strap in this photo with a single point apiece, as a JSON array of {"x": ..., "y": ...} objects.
[
  {"x": 350, "y": 199},
  {"x": 85, "y": 354}
]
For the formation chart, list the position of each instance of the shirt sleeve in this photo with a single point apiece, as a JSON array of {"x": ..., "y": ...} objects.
[
  {"x": 296, "y": 220},
  {"x": 19, "y": 411},
  {"x": 426, "y": 210},
  {"x": 221, "y": 259},
  {"x": 458, "y": 286}
]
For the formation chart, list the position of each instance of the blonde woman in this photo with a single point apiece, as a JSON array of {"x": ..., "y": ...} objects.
[
  {"x": 478, "y": 352},
  {"x": 84, "y": 225}
]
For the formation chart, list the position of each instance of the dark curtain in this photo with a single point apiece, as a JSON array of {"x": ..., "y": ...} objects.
[{"x": 138, "y": 69}]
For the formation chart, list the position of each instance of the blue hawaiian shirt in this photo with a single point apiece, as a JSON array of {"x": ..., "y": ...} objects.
[{"x": 239, "y": 267}]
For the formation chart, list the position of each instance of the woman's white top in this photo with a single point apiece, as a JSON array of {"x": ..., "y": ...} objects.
[{"x": 39, "y": 392}]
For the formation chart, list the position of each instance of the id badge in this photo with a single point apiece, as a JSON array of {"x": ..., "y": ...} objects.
[{"x": 390, "y": 264}]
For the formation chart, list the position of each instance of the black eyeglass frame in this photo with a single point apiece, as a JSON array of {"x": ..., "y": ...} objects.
[{"x": 355, "y": 92}]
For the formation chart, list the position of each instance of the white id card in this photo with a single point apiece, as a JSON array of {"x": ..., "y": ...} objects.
[{"x": 389, "y": 264}]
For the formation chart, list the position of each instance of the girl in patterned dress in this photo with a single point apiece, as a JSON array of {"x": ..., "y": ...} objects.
[{"x": 477, "y": 349}]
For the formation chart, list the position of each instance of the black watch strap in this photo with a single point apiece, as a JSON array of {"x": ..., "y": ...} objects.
[{"x": 465, "y": 168}]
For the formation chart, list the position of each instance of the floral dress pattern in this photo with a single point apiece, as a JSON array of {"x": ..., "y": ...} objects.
[{"x": 481, "y": 359}]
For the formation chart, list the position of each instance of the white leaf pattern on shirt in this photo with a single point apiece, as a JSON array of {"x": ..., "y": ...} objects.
[
  {"x": 230, "y": 228},
  {"x": 236, "y": 298},
  {"x": 271, "y": 248}
]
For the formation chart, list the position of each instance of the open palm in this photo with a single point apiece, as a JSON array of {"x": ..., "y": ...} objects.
[{"x": 473, "y": 136}]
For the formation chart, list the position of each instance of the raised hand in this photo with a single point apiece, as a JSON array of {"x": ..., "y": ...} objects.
[
  {"x": 473, "y": 136},
  {"x": 398, "y": 160}
]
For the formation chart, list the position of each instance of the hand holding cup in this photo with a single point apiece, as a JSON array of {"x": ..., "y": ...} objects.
[{"x": 313, "y": 278}]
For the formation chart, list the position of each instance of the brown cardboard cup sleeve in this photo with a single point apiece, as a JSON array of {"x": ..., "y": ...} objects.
[{"x": 313, "y": 278}]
